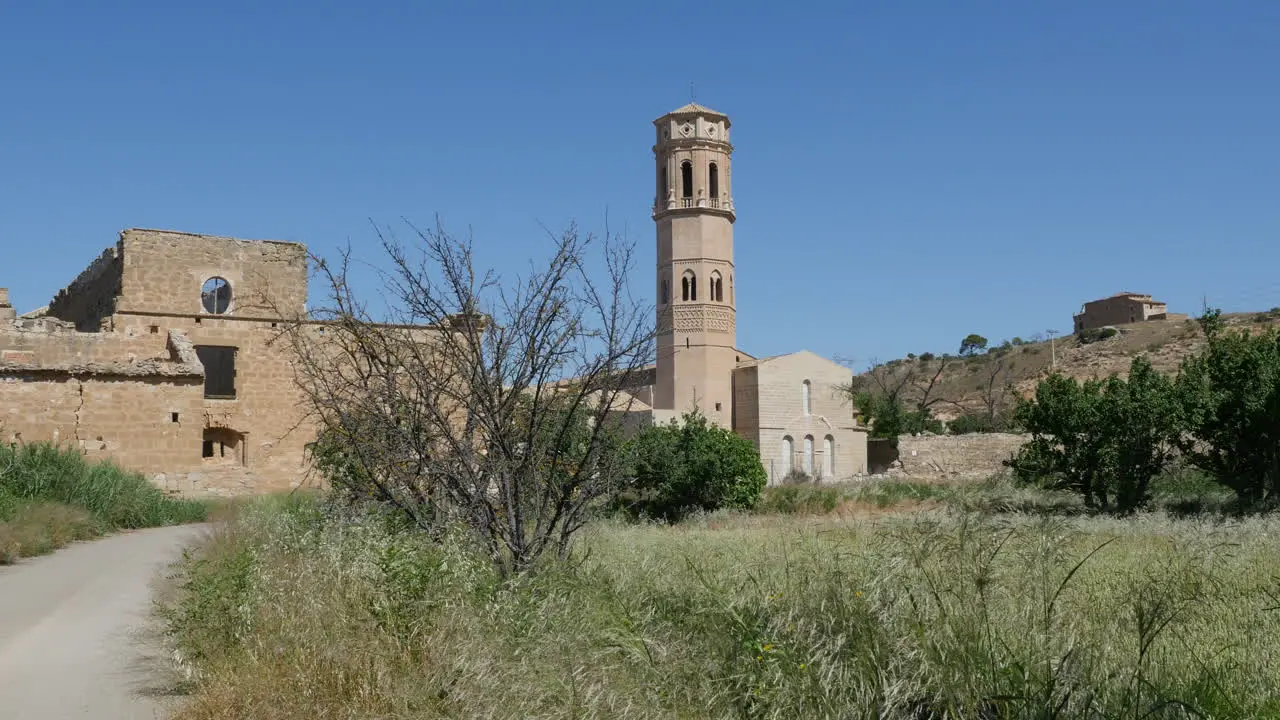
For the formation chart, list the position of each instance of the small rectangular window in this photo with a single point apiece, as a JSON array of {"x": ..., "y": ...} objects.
[
  {"x": 173, "y": 417},
  {"x": 155, "y": 329},
  {"x": 206, "y": 449},
  {"x": 717, "y": 407},
  {"x": 219, "y": 371}
]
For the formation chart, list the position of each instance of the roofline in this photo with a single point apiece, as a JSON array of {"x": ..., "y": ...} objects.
[{"x": 209, "y": 235}]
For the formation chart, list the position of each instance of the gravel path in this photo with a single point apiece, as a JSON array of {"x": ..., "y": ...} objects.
[{"x": 76, "y": 636}]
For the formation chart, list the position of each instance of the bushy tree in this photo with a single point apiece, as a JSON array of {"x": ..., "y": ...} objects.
[
  {"x": 690, "y": 465},
  {"x": 972, "y": 345},
  {"x": 1231, "y": 393},
  {"x": 1103, "y": 439}
]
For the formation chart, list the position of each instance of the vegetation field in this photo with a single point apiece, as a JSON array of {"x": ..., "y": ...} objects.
[
  {"x": 51, "y": 496},
  {"x": 818, "y": 606}
]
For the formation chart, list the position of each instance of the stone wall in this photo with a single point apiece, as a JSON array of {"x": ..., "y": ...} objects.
[
  {"x": 86, "y": 391},
  {"x": 164, "y": 272},
  {"x": 961, "y": 457},
  {"x": 91, "y": 297}
]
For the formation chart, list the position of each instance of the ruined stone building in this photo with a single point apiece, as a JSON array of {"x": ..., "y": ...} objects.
[
  {"x": 789, "y": 405},
  {"x": 1121, "y": 308},
  {"x": 161, "y": 356}
]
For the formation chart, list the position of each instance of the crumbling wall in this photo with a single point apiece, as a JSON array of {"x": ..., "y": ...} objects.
[
  {"x": 962, "y": 457},
  {"x": 91, "y": 298},
  {"x": 7, "y": 312},
  {"x": 104, "y": 394}
]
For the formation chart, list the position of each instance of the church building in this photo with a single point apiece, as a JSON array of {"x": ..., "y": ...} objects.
[{"x": 789, "y": 405}]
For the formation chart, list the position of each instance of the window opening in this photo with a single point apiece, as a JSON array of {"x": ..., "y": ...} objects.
[
  {"x": 216, "y": 296},
  {"x": 805, "y": 393},
  {"x": 219, "y": 371},
  {"x": 787, "y": 451},
  {"x": 686, "y": 179},
  {"x": 829, "y": 457},
  {"x": 713, "y": 181},
  {"x": 808, "y": 454}
]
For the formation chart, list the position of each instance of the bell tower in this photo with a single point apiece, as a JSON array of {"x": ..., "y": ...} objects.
[{"x": 694, "y": 213}]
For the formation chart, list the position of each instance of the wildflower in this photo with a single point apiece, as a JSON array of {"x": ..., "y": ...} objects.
[{"x": 857, "y": 593}]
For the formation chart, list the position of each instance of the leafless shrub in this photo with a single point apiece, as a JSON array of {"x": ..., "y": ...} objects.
[{"x": 494, "y": 403}]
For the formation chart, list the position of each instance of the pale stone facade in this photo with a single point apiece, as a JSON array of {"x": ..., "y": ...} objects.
[
  {"x": 787, "y": 405},
  {"x": 1119, "y": 309},
  {"x": 134, "y": 361}
]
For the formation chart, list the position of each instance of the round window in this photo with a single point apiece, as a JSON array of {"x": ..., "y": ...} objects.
[{"x": 216, "y": 295}]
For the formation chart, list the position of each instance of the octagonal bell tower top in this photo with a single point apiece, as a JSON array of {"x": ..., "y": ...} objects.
[{"x": 692, "y": 152}]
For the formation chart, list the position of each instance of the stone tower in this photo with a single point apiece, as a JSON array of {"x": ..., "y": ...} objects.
[{"x": 697, "y": 326}]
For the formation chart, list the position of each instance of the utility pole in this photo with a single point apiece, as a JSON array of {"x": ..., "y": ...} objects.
[{"x": 1053, "y": 350}]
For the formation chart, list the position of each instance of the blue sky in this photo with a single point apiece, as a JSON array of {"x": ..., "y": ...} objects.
[{"x": 906, "y": 173}]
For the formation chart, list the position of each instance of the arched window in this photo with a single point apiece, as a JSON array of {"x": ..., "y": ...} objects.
[
  {"x": 808, "y": 454},
  {"x": 731, "y": 289},
  {"x": 713, "y": 181},
  {"x": 666, "y": 292},
  {"x": 689, "y": 286},
  {"x": 829, "y": 457},
  {"x": 806, "y": 391},
  {"x": 717, "y": 287},
  {"x": 662, "y": 183},
  {"x": 787, "y": 452},
  {"x": 686, "y": 179}
]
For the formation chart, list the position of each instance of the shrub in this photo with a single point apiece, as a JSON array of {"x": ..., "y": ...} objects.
[
  {"x": 1231, "y": 393},
  {"x": 1092, "y": 335},
  {"x": 927, "y": 356},
  {"x": 970, "y": 423},
  {"x": 690, "y": 465},
  {"x": 1104, "y": 440}
]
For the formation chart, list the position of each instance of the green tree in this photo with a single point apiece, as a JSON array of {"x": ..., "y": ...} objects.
[
  {"x": 690, "y": 465},
  {"x": 972, "y": 345},
  {"x": 1102, "y": 439},
  {"x": 1231, "y": 393}
]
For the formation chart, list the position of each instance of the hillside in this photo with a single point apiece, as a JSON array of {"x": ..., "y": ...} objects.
[{"x": 969, "y": 384}]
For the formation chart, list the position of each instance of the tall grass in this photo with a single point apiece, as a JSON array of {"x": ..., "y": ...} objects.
[
  {"x": 50, "y": 496},
  {"x": 287, "y": 613}
]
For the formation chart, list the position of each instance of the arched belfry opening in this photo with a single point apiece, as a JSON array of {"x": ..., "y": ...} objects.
[
  {"x": 686, "y": 179},
  {"x": 713, "y": 181},
  {"x": 689, "y": 286}
]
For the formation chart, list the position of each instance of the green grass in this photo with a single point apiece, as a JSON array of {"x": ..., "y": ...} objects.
[
  {"x": 288, "y": 613},
  {"x": 50, "y": 496}
]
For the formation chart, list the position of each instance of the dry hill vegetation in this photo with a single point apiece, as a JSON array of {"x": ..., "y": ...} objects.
[{"x": 953, "y": 385}]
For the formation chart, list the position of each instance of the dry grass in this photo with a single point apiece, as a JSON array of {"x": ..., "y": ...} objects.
[
  {"x": 287, "y": 613},
  {"x": 40, "y": 528}
]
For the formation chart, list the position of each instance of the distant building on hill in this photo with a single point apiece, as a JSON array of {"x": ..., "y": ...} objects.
[{"x": 1121, "y": 308}]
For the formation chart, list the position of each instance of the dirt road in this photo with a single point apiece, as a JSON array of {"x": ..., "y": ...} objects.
[{"x": 74, "y": 630}]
